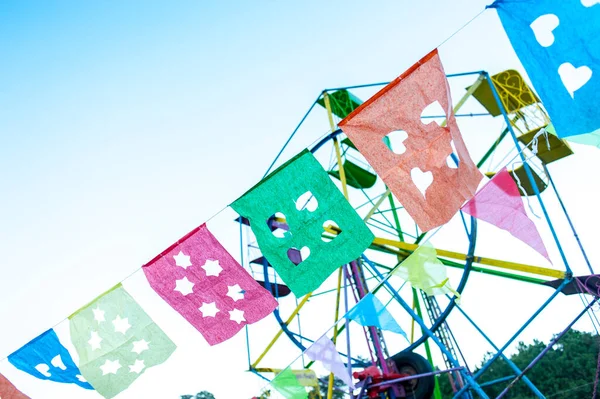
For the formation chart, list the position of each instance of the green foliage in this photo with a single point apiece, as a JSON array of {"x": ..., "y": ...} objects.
[
  {"x": 338, "y": 392},
  {"x": 264, "y": 395},
  {"x": 568, "y": 370},
  {"x": 199, "y": 395}
]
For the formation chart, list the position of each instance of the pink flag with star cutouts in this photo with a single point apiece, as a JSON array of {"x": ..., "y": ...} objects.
[
  {"x": 202, "y": 281},
  {"x": 499, "y": 203}
]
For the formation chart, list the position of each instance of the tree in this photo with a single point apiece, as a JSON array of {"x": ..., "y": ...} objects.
[
  {"x": 339, "y": 388},
  {"x": 338, "y": 392},
  {"x": 204, "y": 395},
  {"x": 199, "y": 395},
  {"x": 568, "y": 370},
  {"x": 265, "y": 395}
]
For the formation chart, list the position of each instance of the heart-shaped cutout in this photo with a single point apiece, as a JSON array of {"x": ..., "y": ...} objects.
[
  {"x": 58, "y": 363},
  {"x": 305, "y": 252},
  {"x": 307, "y": 201},
  {"x": 280, "y": 233},
  {"x": 542, "y": 28},
  {"x": 277, "y": 225},
  {"x": 433, "y": 113},
  {"x": 421, "y": 179},
  {"x": 589, "y": 3},
  {"x": 574, "y": 78},
  {"x": 297, "y": 256},
  {"x": 396, "y": 141},
  {"x": 328, "y": 226},
  {"x": 44, "y": 369},
  {"x": 452, "y": 160}
]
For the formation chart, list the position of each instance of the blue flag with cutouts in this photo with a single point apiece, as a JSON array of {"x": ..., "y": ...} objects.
[
  {"x": 558, "y": 42},
  {"x": 46, "y": 358},
  {"x": 370, "y": 312}
]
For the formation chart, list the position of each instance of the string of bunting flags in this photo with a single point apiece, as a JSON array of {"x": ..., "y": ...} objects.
[{"x": 116, "y": 341}]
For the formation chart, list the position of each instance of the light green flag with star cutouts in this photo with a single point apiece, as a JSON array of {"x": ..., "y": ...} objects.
[{"x": 116, "y": 341}]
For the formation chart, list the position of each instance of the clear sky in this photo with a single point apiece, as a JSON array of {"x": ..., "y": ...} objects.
[{"x": 123, "y": 125}]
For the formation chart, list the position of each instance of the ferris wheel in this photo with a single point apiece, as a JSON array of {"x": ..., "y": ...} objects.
[{"x": 525, "y": 145}]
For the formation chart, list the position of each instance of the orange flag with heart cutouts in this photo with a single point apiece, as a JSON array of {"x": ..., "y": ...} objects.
[{"x": 421, "y": 173}]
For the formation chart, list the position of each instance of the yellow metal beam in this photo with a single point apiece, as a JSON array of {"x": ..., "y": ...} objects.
[
  {"x": 336, "y": 145},
  {"x": 541, "y": 271},
  {"x": 377, "y": 205},
  {"x": 520, "y": 267},
  {"x": 276, "y": 337},
  {"x": 266, "y": 370},
  {"x": 338, "y": 155}
]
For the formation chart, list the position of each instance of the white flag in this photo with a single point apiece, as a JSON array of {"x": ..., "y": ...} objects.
[{"x": 323, "y": 350}]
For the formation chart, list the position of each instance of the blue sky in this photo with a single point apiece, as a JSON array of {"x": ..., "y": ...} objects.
[{"x": 123, "y": 125}]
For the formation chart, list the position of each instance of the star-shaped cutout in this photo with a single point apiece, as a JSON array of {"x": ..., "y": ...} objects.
[
  {"x": 95, "y": 340},
  {"x": 137, "y": 367},
  {"x": 184, "y": 286},
  {"x": 236, "y": 315},
  {"x": 235, "y": 292},
  {"x": 212, "y": 268},
  {"x": 110, "y": 367},
  {"x": 182, "y": 260},
  {"x": 140, "y": 346},
  {"x": 208, "y": 309},
  {"x": 98, "y": 314},
  {"x": 121, "y": 325}
]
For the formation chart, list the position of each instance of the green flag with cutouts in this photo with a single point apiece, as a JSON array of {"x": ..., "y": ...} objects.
[
  {"x": 116, "y": 341},
  {"x": 303, "y": 193}
]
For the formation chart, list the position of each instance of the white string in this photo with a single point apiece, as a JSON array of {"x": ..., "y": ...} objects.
[
  {"x": 140, "y": 267},
  {"x": 534, "y": 150},
  {"x": 314, "y": 142}
]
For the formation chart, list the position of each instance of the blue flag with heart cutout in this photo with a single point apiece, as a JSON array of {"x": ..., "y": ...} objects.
[
  {"x": 46, "y": 358},
  {"x": 558, "y": 42},
  {"x": 370, "y": 312}
]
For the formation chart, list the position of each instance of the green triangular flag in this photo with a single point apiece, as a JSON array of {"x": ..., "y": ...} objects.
[{"x": 287, "y": 385}]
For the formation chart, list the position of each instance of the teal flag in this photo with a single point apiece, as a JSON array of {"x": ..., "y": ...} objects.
[
  {"x": 287, "y": 385},
  {"x": 303, "y": 192},
  {"x": 370, "y": 312},
  {"x": 592, "y": 139},
  {"x": 116, "y": 341}
]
